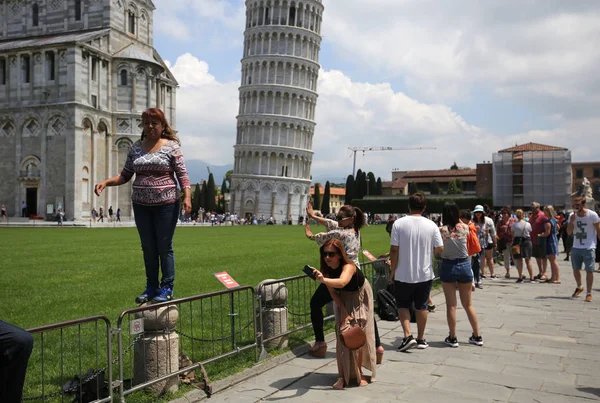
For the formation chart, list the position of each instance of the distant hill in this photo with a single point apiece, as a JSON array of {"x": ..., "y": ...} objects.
[{"x": 198, "y": 172}]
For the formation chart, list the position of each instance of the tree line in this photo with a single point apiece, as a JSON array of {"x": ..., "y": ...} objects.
[
  {"x": 357, "y": 187},
  {"x": 208, "y": 196}
]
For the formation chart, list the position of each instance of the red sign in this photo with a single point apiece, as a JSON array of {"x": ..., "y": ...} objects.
[
  {"x": 226, "y": 279},
  {"x": 369, "y": 255}
]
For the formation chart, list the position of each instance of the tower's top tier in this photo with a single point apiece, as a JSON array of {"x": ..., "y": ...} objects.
[{"x": 305, "y": 14}]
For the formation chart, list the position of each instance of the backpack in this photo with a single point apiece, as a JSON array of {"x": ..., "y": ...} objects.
[
  {"x": 473, "y": 246},
  {"x": 386, "y": 306}
]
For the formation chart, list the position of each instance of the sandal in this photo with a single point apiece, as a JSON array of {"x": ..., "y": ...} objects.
[
  {"x": 363, "y": 381},
  {"x": 318, "y": 350},
  {"x": 339, "y": 384}
]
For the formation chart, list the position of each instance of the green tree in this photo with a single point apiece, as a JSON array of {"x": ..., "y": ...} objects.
[
  {"x": 379, "y": 187},
  {"x": 372, "y": 184},
  {"x": 361, "y": 184},
  {"x": 196, "y": 198},
  {"x": 412, "y": 188},
  {"x": 326, "y": 199},
  {"x": 459, "y": 185},
  {"x": 454, "y": 166},
  {"x": 317, "y": 197},
  {"x": 212, "y": 193},
  {"x": 452, "y": 188},
  {"x": 436, "y": 189},
  {"x": 204, "y": 195},
  {"x": 349, "y": 190},
  {"x": 228, "y": 177},
  {"x": 224, "y": 188}
]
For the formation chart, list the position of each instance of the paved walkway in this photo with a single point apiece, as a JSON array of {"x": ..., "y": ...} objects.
[{"x": 541, "y": 345}]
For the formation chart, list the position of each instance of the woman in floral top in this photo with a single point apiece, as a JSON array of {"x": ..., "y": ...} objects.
[
  {"x": 456, "y": 269},
  {"x": 156, "y": 160},
  {"x": 346, "y": 229}
]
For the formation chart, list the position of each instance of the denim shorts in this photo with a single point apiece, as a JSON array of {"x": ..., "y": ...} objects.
[
  {"x": 580, "y": 257},
  {"x": 458, "y": 270}
]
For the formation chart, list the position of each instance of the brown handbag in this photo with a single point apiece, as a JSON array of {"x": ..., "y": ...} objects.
[{"x": 353, "y": 337}]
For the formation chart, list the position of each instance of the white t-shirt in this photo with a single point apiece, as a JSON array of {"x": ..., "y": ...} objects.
[
  {"x": 584, "y": 232},
  {"x": 415, "y": 238}
]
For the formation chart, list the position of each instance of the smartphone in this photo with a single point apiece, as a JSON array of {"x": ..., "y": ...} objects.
[{"x": 309, "y": 271}]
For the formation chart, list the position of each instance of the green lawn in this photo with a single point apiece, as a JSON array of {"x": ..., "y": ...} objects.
[
  {"x": 51, "y": 275},
  {"x": 54, "y": 274}
]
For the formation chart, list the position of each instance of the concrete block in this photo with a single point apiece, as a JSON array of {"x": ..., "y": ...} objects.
[
  {"x": 156, "y": 355},
  {"x": 274, "y": 294},
  {"x": 159, "y": 319},
  {"x": 275, "y": 322}
]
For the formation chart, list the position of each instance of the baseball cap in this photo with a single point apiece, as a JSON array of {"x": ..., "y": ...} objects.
[{"x": 478, "y": 207}]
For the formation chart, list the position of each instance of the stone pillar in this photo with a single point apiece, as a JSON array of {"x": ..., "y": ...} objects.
[
  {"x": 273, "y": 201},
  {"x": 274, "y": 313},
  {"x": 157, "y": 353},
  {"x": 256, "y": 201}
]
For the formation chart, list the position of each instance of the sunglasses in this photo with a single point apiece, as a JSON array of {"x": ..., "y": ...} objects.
[
  {"x": 340, "y": 217},
  {"x": 330, "y": 254}
]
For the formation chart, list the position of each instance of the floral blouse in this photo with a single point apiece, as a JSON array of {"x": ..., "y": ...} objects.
[
  {"x": 455, "y": 241},
  {"x": 348, "y": 236}
]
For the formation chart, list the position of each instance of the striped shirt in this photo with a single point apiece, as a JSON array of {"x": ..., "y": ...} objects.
[{"x": 155, "y": 173}]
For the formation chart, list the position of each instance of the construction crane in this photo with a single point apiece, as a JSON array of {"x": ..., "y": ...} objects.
[{"x": 364, "y": 149}]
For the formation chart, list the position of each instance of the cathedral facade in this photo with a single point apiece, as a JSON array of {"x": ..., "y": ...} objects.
[
  {"x": 278, "y": 98},
  {"x": 75, "y": 76}
]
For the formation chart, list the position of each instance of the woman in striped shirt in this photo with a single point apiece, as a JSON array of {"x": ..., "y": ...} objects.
[{"x": 157, "y": 162}]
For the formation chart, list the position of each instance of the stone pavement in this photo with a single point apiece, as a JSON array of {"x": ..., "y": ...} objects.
[{"x": 540, "y": 345}]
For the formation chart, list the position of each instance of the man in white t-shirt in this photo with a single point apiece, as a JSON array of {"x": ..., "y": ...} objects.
[
  {"x": 584, "y": 224},
  {"x": 414, "y": 240}
]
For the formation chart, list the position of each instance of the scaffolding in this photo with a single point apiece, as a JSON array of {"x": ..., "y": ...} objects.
[{"x": 523, "y": 177}]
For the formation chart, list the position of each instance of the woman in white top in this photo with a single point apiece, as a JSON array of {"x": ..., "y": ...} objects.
[
  {"x": 520, "y": 231},
  {"x": 487, "y": 239}
]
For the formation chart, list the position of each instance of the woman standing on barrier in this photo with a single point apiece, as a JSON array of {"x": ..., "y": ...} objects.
[
  {"x": 353, "y": 299},
  {"x": 156, "y": 159},
  {"x": 346, "y": 229}
]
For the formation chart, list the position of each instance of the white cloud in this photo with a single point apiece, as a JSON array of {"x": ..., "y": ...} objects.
[
  {"x": 206, "y": 111},
  {"x": 177, "y": 19},
  {"x": 541, "y": 51},
  {"x": 349, "y": 114}
]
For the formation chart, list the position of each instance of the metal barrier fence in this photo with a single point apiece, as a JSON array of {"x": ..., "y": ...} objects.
[
  {"x": 210, "y": 327},
  {"x": 68, "y": 348},
  {"x": 295, "y": 310}
]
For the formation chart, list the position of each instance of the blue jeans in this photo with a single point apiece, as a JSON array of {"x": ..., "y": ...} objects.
[{"x": 156, "y": 226}]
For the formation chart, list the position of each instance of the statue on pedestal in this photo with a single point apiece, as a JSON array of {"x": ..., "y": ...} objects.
[{"x": 586, "y": 192}]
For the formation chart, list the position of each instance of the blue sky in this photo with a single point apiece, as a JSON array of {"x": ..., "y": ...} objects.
[{"x": 468, "y": 81}]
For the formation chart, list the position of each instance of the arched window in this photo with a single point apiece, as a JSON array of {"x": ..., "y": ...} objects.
[
  {"x": 131, "y": 22},
  {"x": 35, "y": 15},
  {"x": 77, "y": 10},
  {"x": 123, "y": 78}
]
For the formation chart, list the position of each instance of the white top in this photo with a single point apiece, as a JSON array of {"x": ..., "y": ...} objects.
[
  {"x": 415, "y": 237},
  {"x": 584, "y": 232},
  {"x": 521, "y": 229}
]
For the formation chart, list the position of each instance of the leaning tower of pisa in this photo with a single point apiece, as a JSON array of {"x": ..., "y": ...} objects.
[{"x": 278, "y": 99}]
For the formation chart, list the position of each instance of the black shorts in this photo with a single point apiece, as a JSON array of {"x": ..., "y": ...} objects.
[
  {"x": 490, "y": 246},
  {"x": 408, "y": 293}
]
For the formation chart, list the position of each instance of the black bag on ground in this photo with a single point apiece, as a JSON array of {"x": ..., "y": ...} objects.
[{"x": 386, "y": 306}]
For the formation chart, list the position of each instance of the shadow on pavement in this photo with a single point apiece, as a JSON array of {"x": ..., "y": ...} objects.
[
  {"x": 594, "y": 391},
  {"x": 320, "y": 380}
]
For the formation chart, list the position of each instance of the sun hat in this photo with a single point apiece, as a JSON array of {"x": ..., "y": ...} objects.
[{"x": 478, "y": 207}]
